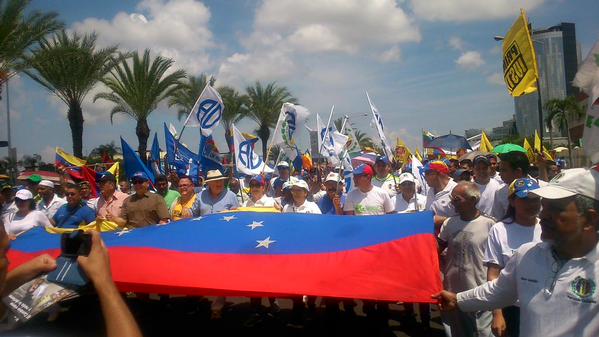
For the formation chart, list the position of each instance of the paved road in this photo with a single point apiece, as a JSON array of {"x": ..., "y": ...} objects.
[{"x": 191, "y": 317}]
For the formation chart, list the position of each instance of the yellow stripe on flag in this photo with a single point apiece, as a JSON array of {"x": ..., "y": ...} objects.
[
  {"x": 70, "y": 158},
  {"x": 529, "y": 151},
  {"x": 519, "y": 60},
  {"x": 538, "y": 143},
  {"x": 115, "y": 170}
]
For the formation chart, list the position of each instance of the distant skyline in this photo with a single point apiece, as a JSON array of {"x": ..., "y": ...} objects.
[{"x": 427, "y": 64}]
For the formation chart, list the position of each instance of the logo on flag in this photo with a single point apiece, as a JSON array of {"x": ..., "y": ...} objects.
[
  {"x": 207, "y": 111},
  {"x": 246, "y": 154}
]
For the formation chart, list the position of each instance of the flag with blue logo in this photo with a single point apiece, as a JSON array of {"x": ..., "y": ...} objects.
[
  {"x": 326, "y": 141},
  {"x": 178, "y": 156},
  {"x": 247, "y": 161},
  {"x": 380, "y": 128},
  {"x": 209, "y": 155},
  {"x": 207, "y": 111},
  {"x": 286, "y": 130},
  {"x": 133, "y": 163},
  {"x": 418, "y": 173}
]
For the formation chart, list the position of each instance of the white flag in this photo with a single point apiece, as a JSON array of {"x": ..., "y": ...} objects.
[
  {"x": 246, "y": 160},
  {"x": 587, "y": 79},
  {"x": 378, "y": 120},
  {"x": 207, "y": 111},
  {"x": 352, "y": 145},
  {"x": 290, "y": 118},
  {"x": 326, "y": 146},
  {"x": 418, "y": 173}
]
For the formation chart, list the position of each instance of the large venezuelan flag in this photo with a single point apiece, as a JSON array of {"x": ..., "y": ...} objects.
[{"x": 389, "y": 258}]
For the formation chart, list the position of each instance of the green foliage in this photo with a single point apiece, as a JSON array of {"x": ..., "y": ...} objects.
[
  {"x": 264, "y": 105},
  {"x": 20, "y": 32},
  {"x": 187, "y": 94},
  {"x": 137, "y": 87}
]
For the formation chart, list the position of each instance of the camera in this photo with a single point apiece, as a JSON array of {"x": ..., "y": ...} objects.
[{"x": 68, "y": 272}]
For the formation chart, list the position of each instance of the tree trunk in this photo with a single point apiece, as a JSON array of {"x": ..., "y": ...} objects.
[
  {"x": 264, "y": 134},
  {"x": 569, "y": 142},
  {"x": 75, "y": 116},
  {"x": 142, "y": 130}
]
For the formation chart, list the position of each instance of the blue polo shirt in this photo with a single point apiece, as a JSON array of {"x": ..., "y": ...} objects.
[
  {"x": 71, "y": 217},
  {"x": 205, "y": 204}
]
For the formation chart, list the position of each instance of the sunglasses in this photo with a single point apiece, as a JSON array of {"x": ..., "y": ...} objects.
[
  {"x": 135, "y": 182},
  {"x": 71, "y": 194}
]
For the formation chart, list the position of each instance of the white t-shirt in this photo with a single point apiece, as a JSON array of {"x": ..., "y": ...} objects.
[
  {"x": 306, "y": 207},
  {"x": 497, "y": 178},
  {"x": 387, "y": 184},
  {"x": 440, "y": 203},
  {"x": 402, "y": 206},
  {"x": 487, "y": 196},
  {"x": 50, "y": 209},
  {"x": 265, "y": 201},
  {"x": 506, "y": 238},
  {"x": 15, "y": 224},
  {"x": 374, "y": 202}
]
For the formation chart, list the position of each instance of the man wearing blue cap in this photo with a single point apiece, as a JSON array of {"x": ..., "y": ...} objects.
[
  {"x": 383, "y": 178},
  {"x": 143, "y": 208}
]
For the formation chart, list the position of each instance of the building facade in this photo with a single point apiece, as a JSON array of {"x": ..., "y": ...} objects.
[{"x": 558, "y": 56}]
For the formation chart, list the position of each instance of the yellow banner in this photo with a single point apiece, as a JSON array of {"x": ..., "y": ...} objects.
[
  {"x": 485, "y": 144},
  {"x": 519, "y": 62}
]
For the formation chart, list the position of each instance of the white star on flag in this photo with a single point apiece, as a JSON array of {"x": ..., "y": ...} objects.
[
  {"x": 121, "y": 233},
  {"x": 265, "y": 243},
  {"x": 229, "y": 218},
  {"x": 255, "y": 224},
  {"x": 197, "y": 219}
]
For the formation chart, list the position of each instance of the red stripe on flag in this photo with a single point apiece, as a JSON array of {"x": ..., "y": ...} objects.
[{"x": 404, "y": 270}]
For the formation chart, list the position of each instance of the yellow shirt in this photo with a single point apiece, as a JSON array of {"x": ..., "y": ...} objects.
[{"x": 181, "y": 211}]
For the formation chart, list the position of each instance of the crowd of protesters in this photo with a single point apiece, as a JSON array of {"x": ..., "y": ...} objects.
[{"x": 518, "y": 251}]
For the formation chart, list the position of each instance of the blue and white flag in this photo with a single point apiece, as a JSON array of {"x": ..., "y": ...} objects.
[
  {"x": 207, "y": 111},
  {"x": 178, "y": 155},
  {"x": 331, "y": 143},
  {"x": 155, "y": 157},
  {"x": 378, "y": 120},
  {"x": 291, "y": 117},
  {"x": 247, "y": 161},
  {"x": 418, "y": 173}
]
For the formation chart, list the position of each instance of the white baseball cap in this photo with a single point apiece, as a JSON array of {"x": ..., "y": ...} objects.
[
  {"x": 570, "y": 182},
  {"x": 333, "y": 176},
  {"x": 46, "y": 183},
  {"x": 300, "y": 183},
  {"x": 24, "y": 194},
  {"x": 406, "y": 176},
  {"x": 283, "y": 164}
]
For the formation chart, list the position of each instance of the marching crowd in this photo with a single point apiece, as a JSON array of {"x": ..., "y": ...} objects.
[{"x": 518, "y": 253}]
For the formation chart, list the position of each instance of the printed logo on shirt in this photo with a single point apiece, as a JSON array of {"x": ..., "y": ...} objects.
[{"x": 582, "y": 290}]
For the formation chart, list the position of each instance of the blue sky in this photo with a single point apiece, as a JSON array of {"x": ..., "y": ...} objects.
[{"x": 427, "y": 64}]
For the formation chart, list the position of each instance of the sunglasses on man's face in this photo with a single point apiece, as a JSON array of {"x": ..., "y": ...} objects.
[{"x": 138, "y": 182}]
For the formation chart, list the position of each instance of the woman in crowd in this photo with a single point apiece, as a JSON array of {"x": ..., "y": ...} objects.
[
  {"x": 300, "y": 204},
  {"x": 26, "y": 217},
  {"x": 257, "y": 197},
  {"x": 519, "y": 226}
]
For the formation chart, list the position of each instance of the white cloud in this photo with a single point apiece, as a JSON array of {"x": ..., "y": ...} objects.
[
  {"x": 470, "y": 60},
  {"x": 287, "y": 32},
  {"x": 470, "y": 10},
  {"x": 172, "y": 28},
  {"x": 48, "y": 154},
  {"x": 456, "y": 43},
  {"x": 391, "y": 54},
  {"x": 496, "y": 79}
]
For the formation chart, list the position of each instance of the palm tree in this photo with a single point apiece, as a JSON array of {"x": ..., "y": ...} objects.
[
  {"x": 20, "y": 32},
  {"x": 110, "y": 149},
  {"x": 186, "y": 96},
  {"x": 235, "y": 110},
  {"x": 137, "y": 88},
  {"x": 69, "y": 67},
  {"x": 561, "y": 112},
  {"x": 363, "y": 139},
  {"x": 264, "y": 104}
]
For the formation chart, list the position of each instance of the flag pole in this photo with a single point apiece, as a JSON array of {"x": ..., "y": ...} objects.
[
  {"x": 326, "y": 132},
  {"x": 272, "y": 141}
]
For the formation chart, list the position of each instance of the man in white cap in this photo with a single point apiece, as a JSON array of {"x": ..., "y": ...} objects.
[
  {"x": 408, "y": 200},
  {"x": 276, "y": 183},
  {"x": 555, "y": 281},
  {"x": 334, "y": 198},
  {"x": 50, "y": 202},
  {"x": 216, "y": 198}
]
